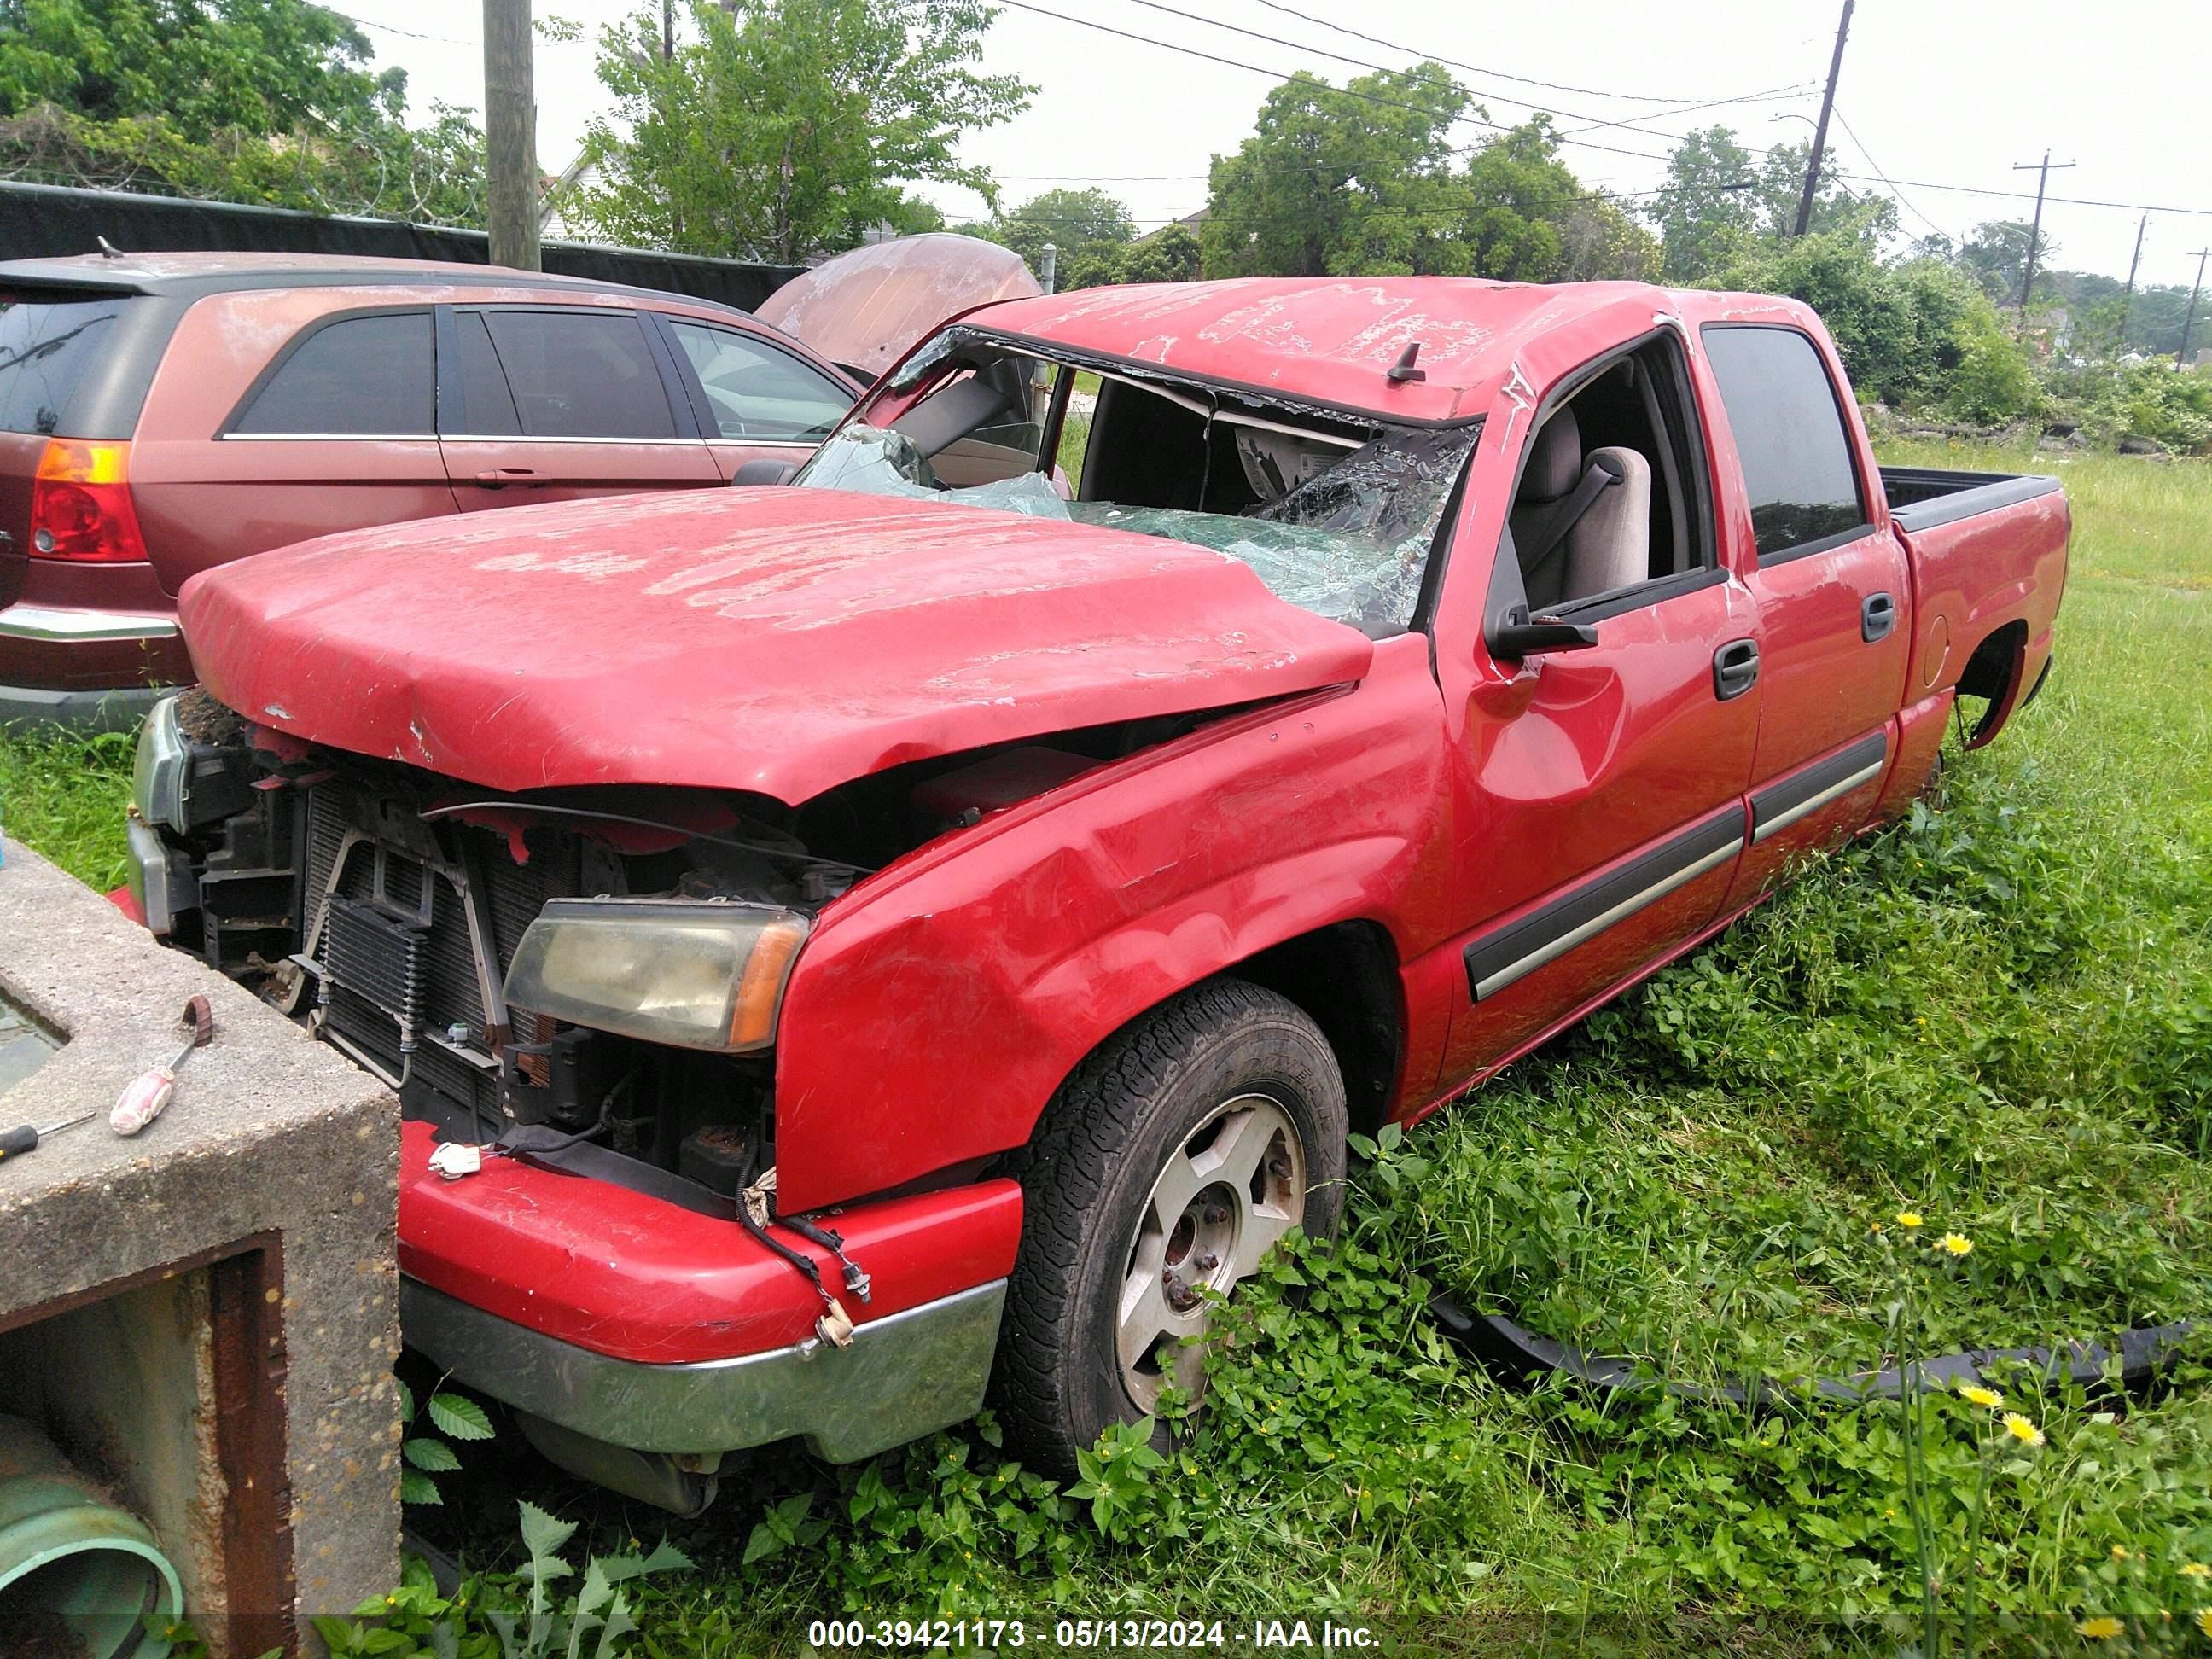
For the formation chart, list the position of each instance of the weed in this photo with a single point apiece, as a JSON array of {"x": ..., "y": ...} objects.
[{"x": 1993, "y": 1014}]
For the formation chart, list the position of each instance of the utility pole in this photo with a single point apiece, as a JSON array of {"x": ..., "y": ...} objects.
[
  {"x": 2034, "y": 231},
  {"x": 2189, "y": 322},
  {"x": 1821, "y": 128},
  {"x": 2128, "y": 294},
  {"x": 510, "y": 134},
  {"x": 667, "y": 29}
]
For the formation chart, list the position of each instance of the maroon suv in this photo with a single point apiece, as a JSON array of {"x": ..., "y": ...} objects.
[{"x": 162, "y": 413}]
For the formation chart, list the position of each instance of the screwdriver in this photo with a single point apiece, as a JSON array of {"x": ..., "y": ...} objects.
[
  {"x": 25, "y": 1137},
  {"x": 147, "y": 1094}
]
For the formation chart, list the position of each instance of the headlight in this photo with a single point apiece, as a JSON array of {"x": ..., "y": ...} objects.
[
  {"x": 697, "y": 974},
  {"x": 157, "y": 774}
]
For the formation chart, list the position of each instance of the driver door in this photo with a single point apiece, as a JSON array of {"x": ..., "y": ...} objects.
[{"x": 1599, "y": 790}]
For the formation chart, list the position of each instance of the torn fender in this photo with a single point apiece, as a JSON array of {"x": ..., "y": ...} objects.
[{"x": 778, "y": 641}]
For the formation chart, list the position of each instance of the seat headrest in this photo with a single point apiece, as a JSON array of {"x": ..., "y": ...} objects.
[{"x": 1555, "y": 464}]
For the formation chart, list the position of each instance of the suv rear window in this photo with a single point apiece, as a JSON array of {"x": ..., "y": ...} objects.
[
  {"x": 46, "y": 350},
  {"x": 360, "y": 377}
]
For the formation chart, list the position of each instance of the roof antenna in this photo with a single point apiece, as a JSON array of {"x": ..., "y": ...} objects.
[
  {"x": 1403, "y": 369},
  {"x": 107, "y": 249}
]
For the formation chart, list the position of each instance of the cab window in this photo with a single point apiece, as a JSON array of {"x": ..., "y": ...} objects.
[{"x": 1789, "y": 436}]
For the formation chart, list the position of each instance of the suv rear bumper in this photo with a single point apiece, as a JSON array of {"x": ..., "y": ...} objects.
[
  {"x": 903, "y": 1376},
  {"x": 85, "y": 668}
]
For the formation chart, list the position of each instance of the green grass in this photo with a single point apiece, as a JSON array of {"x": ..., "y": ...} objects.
[
  {"x": 64, "y": 797},
  {"x": 1998, "y": 1015}
]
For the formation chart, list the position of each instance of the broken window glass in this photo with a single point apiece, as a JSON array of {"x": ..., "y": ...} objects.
[{"x": 1335, "y": 516}]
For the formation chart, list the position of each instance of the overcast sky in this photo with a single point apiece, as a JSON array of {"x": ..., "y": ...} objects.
[{"x": 1934, "y": 92}]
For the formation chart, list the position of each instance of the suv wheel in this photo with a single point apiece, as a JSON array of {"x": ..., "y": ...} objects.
[{"x": 1166, "y": 1166}]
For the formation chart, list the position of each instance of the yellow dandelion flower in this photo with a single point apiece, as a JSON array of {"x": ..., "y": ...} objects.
[
  {"x": 2120, "y": 1552},
  {"x": 2205, "y": 1620},
  {"x": 2100, "y": 1630},
  {"x": 1908, "y": 1219},
  {"x": 1987, "y": 1398},
  {"x": 2197, "y": 1569},
  {"x": 2021, "y": 1429},
  {"x": 1954, "y": 1244}
]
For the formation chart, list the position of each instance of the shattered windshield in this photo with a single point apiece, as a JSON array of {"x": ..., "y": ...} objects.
[{"x": 1335, "y": 515}]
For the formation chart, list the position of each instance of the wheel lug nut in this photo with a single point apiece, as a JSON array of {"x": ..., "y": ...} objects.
[
  {"x": 1208, "y": 1262},
  {"x": 1216, "y": 1215}
]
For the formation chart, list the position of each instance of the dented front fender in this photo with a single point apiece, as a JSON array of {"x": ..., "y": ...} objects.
[{"x": 939, "y": 1006}]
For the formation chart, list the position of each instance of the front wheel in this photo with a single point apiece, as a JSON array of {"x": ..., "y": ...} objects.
[{"x": 1167, "y": 1165}]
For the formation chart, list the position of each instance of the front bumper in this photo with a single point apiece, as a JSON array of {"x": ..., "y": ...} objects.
[
  {"x": 638, "y": 1322},
  {"x": 904, "y": 1375}
]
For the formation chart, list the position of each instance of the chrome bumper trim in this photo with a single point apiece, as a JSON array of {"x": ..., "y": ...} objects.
[
  {"x": 46, "y": 622},
  {"x": 905, "y": 1376}
]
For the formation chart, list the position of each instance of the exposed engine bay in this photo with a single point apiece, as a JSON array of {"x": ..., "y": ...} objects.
[{"x": 576, "y": 973}]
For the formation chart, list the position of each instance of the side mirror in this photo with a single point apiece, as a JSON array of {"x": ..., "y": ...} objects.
[
  {"x": 1516, "y": 635},
  {"x": 765, "y": 471}
]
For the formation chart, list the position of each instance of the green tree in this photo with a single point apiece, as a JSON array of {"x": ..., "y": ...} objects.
[
  {"x": 1518, "y": 194},
  {"x": 788, "y": 128},
  {"x": 1171, "y": 255},
  {"x": 1994, "y": 256},
  {"x": 1837, "y": 209},
  {"x": 1599, "y": 242},
  {"x": 1707, "y": 210},
  {"x": 1356, "y": 181},
  {"x": 1907, "y": 333},
  {"x": 1073, "y": 220},
  {"x": 265, "y": 100}
]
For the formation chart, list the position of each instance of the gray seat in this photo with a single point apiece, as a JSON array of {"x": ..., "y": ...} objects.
[
  {"x": 1610, "y": 545},
  {"x": 1582, "y": 524}
]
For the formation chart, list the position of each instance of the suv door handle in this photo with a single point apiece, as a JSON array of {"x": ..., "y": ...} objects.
[
  {"x": 1877, "y": 616},
  {"x": 1735, "y": 669},
  {"x": 495, "y": 477}
]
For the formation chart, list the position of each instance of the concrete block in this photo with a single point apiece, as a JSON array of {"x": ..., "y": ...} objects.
[{"x": 233, "y": 1268}]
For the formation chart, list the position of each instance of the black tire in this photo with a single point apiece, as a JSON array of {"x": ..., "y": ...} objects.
[{"x": 1100, "y": 1157}]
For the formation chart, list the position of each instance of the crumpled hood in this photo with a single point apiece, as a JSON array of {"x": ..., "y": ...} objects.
[{"x": 778, "y": 640}]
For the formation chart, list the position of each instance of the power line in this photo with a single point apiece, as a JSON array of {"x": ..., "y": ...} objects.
[
  {"x": 1384, "y": 69},
  {"x": 1584, "y": 144},
  {"x": 1853, "y": 135},
  {"x": 1278, "y": 76},
  {"x": 363, "y": 22},
  {"x": 1500, "y": 75}
]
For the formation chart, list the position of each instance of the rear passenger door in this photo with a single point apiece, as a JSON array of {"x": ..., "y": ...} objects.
[
  {"x": 546, "y": 403},
  {"x": 1832, "y": 585},
  {"x": 336, "y": 432},
  {"x": 753, "y": 399}
]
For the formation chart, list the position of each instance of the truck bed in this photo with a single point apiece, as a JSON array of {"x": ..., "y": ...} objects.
[
  {"x": 1922, "y": 497},
  {"x": 1988, "y": 560}
]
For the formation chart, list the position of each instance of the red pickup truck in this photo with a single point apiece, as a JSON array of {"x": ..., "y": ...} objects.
[{"x": 924, "y": 927}]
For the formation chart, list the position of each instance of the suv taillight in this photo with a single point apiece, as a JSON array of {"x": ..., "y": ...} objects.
[{"x": 80, "y": 503}]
